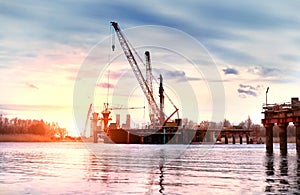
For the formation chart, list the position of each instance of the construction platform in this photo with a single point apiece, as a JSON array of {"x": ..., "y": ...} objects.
[
  {"x": 172, "y": 136},
  {"x": 282, "y": 115}
]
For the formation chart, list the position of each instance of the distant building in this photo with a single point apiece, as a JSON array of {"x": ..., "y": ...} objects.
[
  {"x": 118, "y": 120},
  {"x": 94, "y": 121},
  {"x": 128, "y": 120},
  {"x": 127, "y": 124}
]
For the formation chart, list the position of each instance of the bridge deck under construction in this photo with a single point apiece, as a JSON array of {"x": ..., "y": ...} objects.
[{"x": 282, "y": 115}]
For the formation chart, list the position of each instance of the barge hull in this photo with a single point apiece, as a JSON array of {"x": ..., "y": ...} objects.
[{"x": 151, "y": 136}]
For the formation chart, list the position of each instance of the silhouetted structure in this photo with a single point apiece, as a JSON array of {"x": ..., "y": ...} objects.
[{"x": 282, "y": 115}]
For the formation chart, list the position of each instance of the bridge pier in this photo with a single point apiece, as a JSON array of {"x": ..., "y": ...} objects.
[
  {"x": 269, "y": 137},
  {"x": 283, "y": 137},
  {"x": 282, "y": 114},
  {"x": 233, "y": 139},
  {"x": 226, "y": 139},
  {"x": 247, "y": 139},
  {"x": 297, "y": 125}
]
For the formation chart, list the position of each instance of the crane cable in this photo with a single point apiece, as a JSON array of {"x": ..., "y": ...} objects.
[{"x": 112, "y": 43}]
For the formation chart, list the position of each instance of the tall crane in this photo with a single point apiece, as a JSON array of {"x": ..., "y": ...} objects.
[
  {"x": 159, "y": 116},
  {"x": 138, "y": 74}
]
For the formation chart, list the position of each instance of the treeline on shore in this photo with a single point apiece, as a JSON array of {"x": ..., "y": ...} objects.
[{"x": 42, "y": 130}]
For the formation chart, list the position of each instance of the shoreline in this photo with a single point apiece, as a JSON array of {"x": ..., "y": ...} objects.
[
  {"x": 31, "y": 138},
  {"x": 40, "y": 138},
  {"x": 24, "y": 138}
]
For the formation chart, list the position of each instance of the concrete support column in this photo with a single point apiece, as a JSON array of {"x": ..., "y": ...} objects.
[
  {"x": 164, "y": 135},
  {"x": 283, "y": 137},
  {"x": 247, "y": 139},
  {"x": 269, "y": 137},
  {"x": 297, "y": 125},
  {"x": 241, "y": 139},
  {"x": 226, "y": 139},
  {"x": 233, "y": 139}
]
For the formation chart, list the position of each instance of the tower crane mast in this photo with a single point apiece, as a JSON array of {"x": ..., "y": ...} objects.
[
  {"x": 149, "y": 82},
  {"x": 138, "y": 74}
]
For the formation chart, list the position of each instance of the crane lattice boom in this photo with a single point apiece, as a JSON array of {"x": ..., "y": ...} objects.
[{"x": 138, "y": 74}]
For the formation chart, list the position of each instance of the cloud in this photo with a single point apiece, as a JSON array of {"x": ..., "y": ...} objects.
[
  {"x": 31, "y": 86},
  {"x": 248, "y": 90},
  {"x": 174, "y": 74},
  {"x": 244, "y": 34},
  {"x": 22, "y": 107},
  {"x": 105, "y": 85},
  {"x": 250, "y": 87},
  {"x": 230, "y": 71},
  {"x": 264, "y": 71},
  {"x": 248, "y": 14},
  {"x": 290, "y": 57},
  {"x": 177, "y": 75},
  {"x": 81, "y": 24},
  {"x": 270, "y": 71}
]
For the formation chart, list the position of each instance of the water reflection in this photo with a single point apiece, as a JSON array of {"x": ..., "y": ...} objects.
[
  {"x": 269, "y": 172},
  {"x": 97, "y": 171},
  {"x": 269, "y": 164},
  {"x": 150, "y": 177},
  {"x": 67, "y": 168},
  {"x": 283, "y": 177},
  {"x": 161, "y": 179},
  {"x": 161, "y": 172},
  {"x": 283, "y": 166}
]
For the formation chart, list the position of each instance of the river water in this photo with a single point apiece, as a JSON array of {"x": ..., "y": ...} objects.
[{"x": 79, "y": 168}]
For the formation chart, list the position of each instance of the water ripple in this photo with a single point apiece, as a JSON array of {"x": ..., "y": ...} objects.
[{"x": 71, "y": 168}]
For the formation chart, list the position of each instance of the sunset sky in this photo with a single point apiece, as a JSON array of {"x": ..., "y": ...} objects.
[{"x": 254, "y": 44}]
